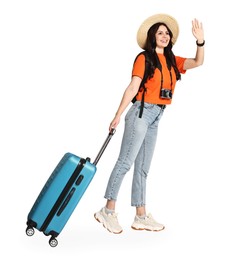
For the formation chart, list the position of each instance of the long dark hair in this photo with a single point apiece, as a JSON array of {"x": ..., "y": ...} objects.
[{"x": 150, "y": 47}]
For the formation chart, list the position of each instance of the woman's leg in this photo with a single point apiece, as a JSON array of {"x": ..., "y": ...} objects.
[
  {"x": 133, "y": 137},
  {"x": 141, "y": 170},
  {"x": 134, "y": 133},
  {"x": 152, "y": 115}
]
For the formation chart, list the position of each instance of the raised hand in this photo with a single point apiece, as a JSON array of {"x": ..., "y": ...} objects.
[{"x": 197, "y": 30}]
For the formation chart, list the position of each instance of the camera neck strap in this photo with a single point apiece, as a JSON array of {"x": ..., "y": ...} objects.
[{"x": 162, "y": 77}]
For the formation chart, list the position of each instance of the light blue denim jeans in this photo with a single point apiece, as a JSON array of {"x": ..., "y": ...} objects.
[{"x": 137, "y": 148}]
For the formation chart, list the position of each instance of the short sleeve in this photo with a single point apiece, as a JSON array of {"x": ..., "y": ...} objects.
[
  {"x": 139, "y": 66},
  {"x": 180, "y": 64}
]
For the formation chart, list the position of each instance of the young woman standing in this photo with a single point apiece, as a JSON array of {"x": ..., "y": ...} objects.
[{"x": 156, "y": 36}]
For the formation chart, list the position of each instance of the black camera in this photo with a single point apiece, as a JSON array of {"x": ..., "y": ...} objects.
[{"x": 166, "y": 93}]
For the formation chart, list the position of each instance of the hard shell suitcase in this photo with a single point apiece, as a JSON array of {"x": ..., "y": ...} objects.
[{"x": 61, "y": 194}]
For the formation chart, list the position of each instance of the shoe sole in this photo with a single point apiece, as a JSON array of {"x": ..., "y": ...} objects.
[
  {"x": 147, "y": 229},
  {"x": 102, "y": 221}
]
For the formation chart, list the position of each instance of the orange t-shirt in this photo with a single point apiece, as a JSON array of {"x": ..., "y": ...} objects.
[{"x": 153, "y": 85}]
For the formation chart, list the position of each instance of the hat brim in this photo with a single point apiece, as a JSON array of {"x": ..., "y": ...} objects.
[{"x": 158, "y": 18}]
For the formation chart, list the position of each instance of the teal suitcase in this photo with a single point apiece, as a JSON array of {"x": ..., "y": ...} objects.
[{"x": 62, "y": 193}]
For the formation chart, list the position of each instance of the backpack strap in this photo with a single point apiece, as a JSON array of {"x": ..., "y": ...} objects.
[{"x": 142, "y": 84}]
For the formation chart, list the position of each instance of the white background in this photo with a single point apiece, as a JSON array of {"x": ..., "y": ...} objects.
[{"x": 63, "y": 68}]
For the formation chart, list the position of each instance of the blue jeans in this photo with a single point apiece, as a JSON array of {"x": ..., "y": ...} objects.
[{"x": 137, "y": 148}]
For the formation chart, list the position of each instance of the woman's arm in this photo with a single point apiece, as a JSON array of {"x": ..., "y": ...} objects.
[
  {"x": 127, "y": 97},
  {"x": 198, "y": 33}
]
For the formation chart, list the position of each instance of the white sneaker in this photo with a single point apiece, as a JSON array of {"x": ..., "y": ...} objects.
[
  {"x": 109, "y": 221},
  {"x": 148, "y": 223}
]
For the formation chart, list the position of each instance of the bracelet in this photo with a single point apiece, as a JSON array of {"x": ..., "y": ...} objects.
[{"x": 200, "y": 44}]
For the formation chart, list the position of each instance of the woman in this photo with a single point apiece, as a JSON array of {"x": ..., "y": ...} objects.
[{"x": 156, "y": 36}]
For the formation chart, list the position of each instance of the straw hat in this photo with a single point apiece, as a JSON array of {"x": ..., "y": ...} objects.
[{"x": 157, "y": 18}]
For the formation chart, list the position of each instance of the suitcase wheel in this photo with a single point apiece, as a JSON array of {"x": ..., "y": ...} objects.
[
  {"x": 53, "y": 242},
  {"x": 30, "y": 231}
]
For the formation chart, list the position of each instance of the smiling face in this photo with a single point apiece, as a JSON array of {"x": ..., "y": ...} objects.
[
  {"x": 159, "y": 37},
  {"x": 162, "y": 38}
]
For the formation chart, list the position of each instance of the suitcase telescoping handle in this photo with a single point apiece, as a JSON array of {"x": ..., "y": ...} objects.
[{"x": 111, "y": 133}]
